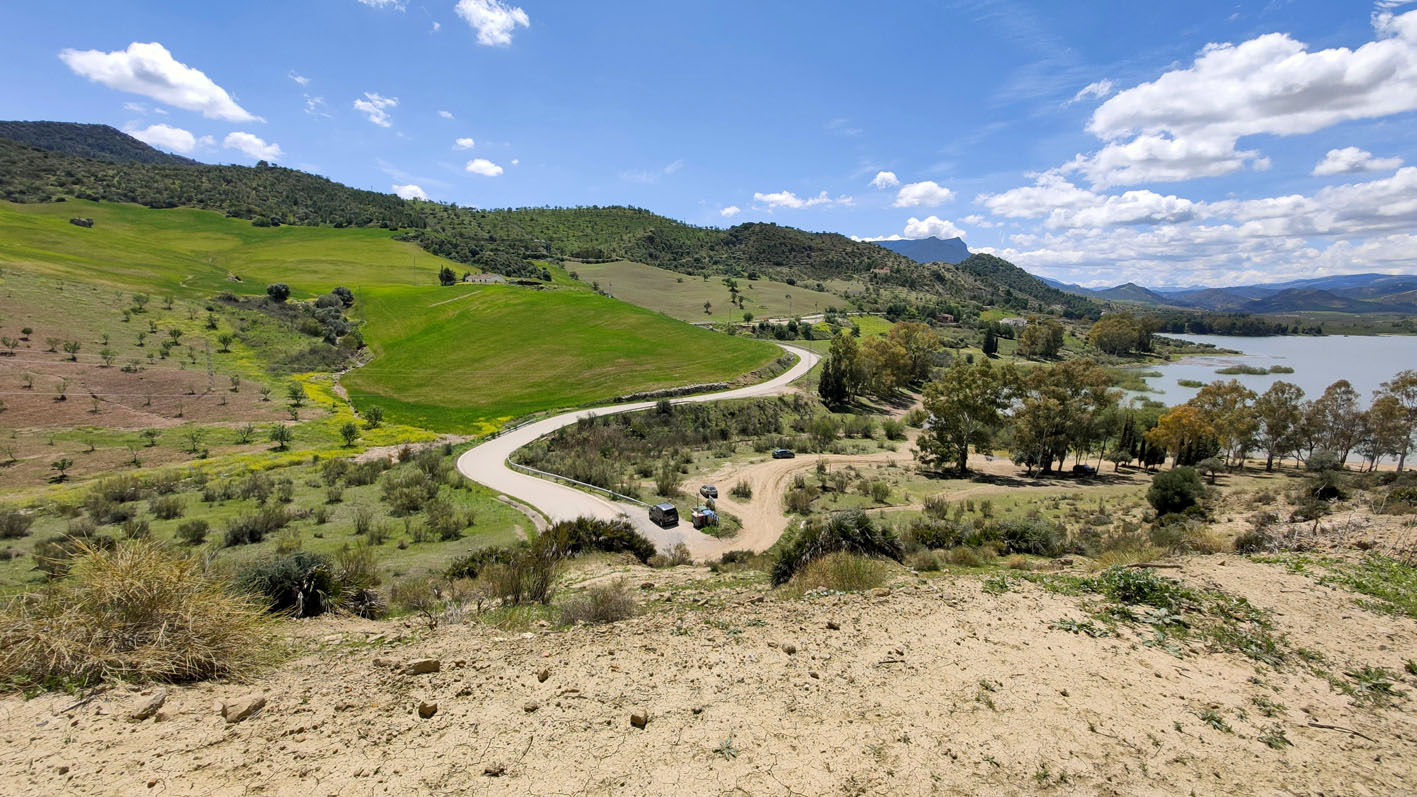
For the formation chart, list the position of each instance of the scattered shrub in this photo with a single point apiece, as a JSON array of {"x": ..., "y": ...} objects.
[
  {"x": 167, "y": 507},
  {"x": 253, "y": 527},
  {"x": 924, "y": 561},
  {"x": 193, "y": 532},
  {"x": 14, "y": 523},
  {"x": 893, "y": 429},
  {"x": 678, "y": 555},
  {"x": 133, "y": 612},
  {"x": 584, "y": 534},
  {"x": 850, "y": 532},
  {"x": 1175, "y": 490},
  {"x": 742, "y": 491},
  {"x": 301, "y": 583},
  {"x": 605, "y": 603}
]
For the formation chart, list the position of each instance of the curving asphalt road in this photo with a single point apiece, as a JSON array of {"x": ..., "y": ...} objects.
[{"x": 487, "y": 463}]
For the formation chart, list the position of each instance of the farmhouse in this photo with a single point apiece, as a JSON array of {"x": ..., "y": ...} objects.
[{"x": 486, "y": 279}]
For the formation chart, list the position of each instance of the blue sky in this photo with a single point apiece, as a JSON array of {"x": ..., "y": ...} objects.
[{"x": 1163, "y": 143}]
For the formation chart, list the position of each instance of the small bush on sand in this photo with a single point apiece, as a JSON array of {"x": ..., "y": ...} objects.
[
  {"x": 850, "y": 532},
  {"x": 606, "y": 603},
  {"x": 528, "y": 577},
  {"x": 136, "y": 611},
  {"x": 585, "y": 534},
  {"x": 966, "y": 556},
  {"x": 924, "y": 561},
  {"x": 841, "y": 572},
  {"x": 678, "y": 555},
  {"x": 1175, "y": 490}
]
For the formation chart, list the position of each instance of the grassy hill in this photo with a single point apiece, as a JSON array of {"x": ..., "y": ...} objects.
[
  {"x": 683, "y": 297},
  {"x": 493, "y": 353},
  {"x": 99, "y": 142},
  {"x": 469, "y": 358}
]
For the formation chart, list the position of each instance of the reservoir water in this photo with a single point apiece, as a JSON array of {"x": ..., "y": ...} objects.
[{"x": 1366, "y": 361}]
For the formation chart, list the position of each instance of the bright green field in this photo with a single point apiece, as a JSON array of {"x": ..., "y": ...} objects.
[
  {"x": 682, "y": 295},
  {"x": 190, "y": 252},
  {"x": 495, "y": 353},
  {"x": 461, "y": 358}
]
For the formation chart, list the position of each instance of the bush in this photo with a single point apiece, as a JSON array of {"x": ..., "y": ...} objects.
[
  {"x": 167, "y": 507},
  {"x": 253, "y": 527},
  {"x": 924, "y": 561},
  {"x": 529, "y": 576},
  {"x": 471, "y": 565},
  {"x": 104, "y": 510},
  {"x": 444, "y": 519},
  {"x": 120, "y": 489},
  {"x": 606, "y": 603},
  {"x": 849, "y": 532},
  {"x": 1175, "y": 490},
  {"x": 1256, "y": 540},
  {"x": 894, "y": 429},
  {"x": 678, "y": 555},
  {"x": 1323, "y": 460},
  {"x": 879, "y": 491},
  {"x": 1031, "y": 535},
  {"x": 742, "y": 491},
  {"x": 193, "y": 532},
  {"x": 301, "y": 583},
  {"x": 841, "y": 572},
  {"x": 407, "y": 489},
  {"x": 135, "y": 612},
  {"x": 14, "y": 523},
  {"x": 1139, "y": 587},
  {"x": 54, "y": 555},
  {"x": 570, "y": 538}
]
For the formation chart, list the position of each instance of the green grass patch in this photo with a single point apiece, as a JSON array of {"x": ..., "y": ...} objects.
[
  {"x": 682, "y": 296},
  {"x": 469, "y": 358}
]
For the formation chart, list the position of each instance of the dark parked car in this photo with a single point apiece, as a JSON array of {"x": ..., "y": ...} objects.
[
  {"x": 708, "y": 491},
  {"x": 1084, "y": 470},
  {"x": 665, "y": 515},
  {"x": 782, "y": 453}
]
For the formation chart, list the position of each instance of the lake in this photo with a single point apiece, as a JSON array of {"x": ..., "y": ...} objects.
[{"x": 1364, "y": 360}]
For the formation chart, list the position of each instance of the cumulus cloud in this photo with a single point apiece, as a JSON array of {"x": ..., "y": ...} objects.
[
  {"x": 484, "y": 167},
  {"x": 396, "y": 5},
  {"x": 173, "y": 139},
  {"x": 493, "y": 20},
  {"x": 1351, "y": 160},
  {"x": 1187, "y": 123},
  {"x": 1100, "y": 89},
  {"x": 446, "y": 114},
  {"x": 931, "y": 226},
  {"x": 376, "y": 108},
  {"x": 150, "y": 70},
  {"x": 253, "y": 146},
  {"x": 730, "y": 211},
  {"x": 464, "y": 143},
  {"x": 884, "y": 180},
  {"x": 787, "y": 199},
  {"x": 410, "y": 191},
  {"x": 923, "y": 194},
  {"x": 301, "y": 79}
]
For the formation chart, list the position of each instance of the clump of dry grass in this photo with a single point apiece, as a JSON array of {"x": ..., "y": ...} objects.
[
  {"x": 606, "y": 603},
  {"x": 842, "y": 572},
  {"x": 136, "y": 612}
]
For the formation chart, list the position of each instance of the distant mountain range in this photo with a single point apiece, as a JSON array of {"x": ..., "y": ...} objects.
[
  {"x": 930, "y": 250},
  {"x": 1347, "y": 293}
]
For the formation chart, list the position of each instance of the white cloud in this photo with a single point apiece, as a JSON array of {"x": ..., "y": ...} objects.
[
  {"x": 315, "y": 106},
  {"x": 410, "y": 191},
  {"x": 787, "y": 199},
  {"x": 494, "y": 20},
  {"x": 976, "y": 220},
  {"x": 464, "y": 143},
  {"x": 135, "y": 107},
  {"x": 1186, "y": 123},
  {"x": 397, "y": 5},
  {"x": 173, "y": 139},
  {"x": 931, "y": 226},
  {"x": 885, "y": 180},
  {"x": 730, "y": 211},
  {"x": 923, "y": 194},
  {"x": 446, "y": 114},
  {"x": 252, "y": 146},
  {"x": 1100, "y": 89},
  {"x": 206, "y": 142},
  {"x": 376, "y": 108},
  {"x": 516, "y": 161},
  {"x": 484, "y": 167},
  {"x": 301, "y": 79},
  {"x": 1351, "y": 160},
  {"x": 150, "y": 70},
  {"x": 437, "y": 26}
]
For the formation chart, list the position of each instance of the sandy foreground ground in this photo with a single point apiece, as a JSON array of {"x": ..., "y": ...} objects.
[{"x": 932, "y": 687}]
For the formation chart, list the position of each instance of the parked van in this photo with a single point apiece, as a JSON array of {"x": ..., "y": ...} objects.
[{"x": 665, "y": 515}]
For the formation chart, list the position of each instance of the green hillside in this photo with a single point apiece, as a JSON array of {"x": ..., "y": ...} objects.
[
  {"x": 469, "y": 358},
  {"x": 683, "y": 296},
  {"x": 459, "y": 358}
]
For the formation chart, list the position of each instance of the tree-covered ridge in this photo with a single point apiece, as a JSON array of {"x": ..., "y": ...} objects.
[
  {"x": 99, "y": 142},
  {"x": 265, "y": 194},
  {"x": 504, "y": 240},
  {"x": 993, "y": 270}
]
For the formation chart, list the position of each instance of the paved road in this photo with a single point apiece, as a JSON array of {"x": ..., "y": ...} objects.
[{"x": 487, "y": 463}]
